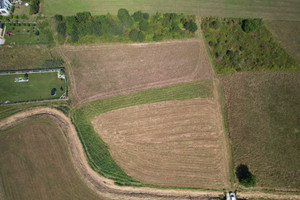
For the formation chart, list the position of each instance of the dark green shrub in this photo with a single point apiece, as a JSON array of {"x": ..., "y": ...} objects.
[
  {"x": 144, "y": 25},
  {"x": 117, "y": 28},
  {"x": 133, "y": 35},
  {"x": 146, "y": 16},
  {"x": 191, "y": 26},
  {"x": 250, "y": 25},
  {"x": 138, "y": 16},
  {"x": 83, "y": 17},
  {"x": 216, "y": 24},
  {"x": 34, "y": 6},
  {"x": 157, "y": 37},
  {"x": 74, "y": 34},
  {"x": 141, "y": 36},
  {"x": 61, "y": 28},
  {"x": 37, "y": 33},
  {"x": 58, "y": 18},
  {"x": 97, "y": 28},
  {"x": 125, "y": 18},
  {"x": 245, "y": 177}
]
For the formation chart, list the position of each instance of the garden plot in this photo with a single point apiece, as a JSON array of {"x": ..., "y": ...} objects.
[{"x": 31, "y": 86}]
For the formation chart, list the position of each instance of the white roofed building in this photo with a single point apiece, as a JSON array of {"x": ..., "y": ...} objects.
[{"x": 5, "y": 7}]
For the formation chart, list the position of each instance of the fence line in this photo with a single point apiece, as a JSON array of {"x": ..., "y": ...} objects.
[
  {"x": 6, "y": 72},
  {"x": 35, "y": 101}
]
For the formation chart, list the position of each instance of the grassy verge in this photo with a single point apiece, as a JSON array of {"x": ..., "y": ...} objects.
[
  {"x": 6, "y": 111},
  {"x": 96, "y": 150}
]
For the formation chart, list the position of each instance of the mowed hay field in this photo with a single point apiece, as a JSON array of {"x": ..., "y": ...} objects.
[
  {"x": 230, "y": 8},
  {"x": 103, "y": 71},
  {"x": 263, "y": 118},
  {"x": 173, "y": 143},
  {"x": 35, "y": 163}
]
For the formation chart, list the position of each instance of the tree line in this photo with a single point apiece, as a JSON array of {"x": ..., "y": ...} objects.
[{"x": 138, "y": 27}]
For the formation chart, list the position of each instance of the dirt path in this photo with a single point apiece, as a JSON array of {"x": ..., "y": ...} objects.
[{"x": 106, "y": 187}]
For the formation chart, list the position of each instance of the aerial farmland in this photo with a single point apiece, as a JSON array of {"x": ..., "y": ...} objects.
[{"x": 149, "y": 99}]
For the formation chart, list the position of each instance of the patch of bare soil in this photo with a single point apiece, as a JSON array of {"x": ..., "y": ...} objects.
[
  {"x": 175, "y": 143},
  {"x": 102, "y": 71},
  {"x": 105, "y": 186}
]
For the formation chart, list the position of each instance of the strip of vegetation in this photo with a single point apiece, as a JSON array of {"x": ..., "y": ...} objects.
[
  {"x": 244, "y": 45},
  {"x": 96, "y": 150},
  {"x": 139, "y": 27},
  {"x": 8, "y": 110}
]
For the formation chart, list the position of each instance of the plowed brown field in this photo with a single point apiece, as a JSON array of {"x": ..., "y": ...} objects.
[
  {"x": 175, "y": 143},
  {"x": 113, "y": 69}
]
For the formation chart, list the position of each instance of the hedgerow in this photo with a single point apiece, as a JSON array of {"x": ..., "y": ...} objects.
[{"x": 123, "y": 27}]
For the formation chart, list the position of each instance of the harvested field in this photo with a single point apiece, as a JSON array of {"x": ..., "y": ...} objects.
[
  {"x": 263, "y": 118},
  {"x": 35, "y": 163},
  {"x": 174, "y": 143},
  {"x": 109, "y": 70}
]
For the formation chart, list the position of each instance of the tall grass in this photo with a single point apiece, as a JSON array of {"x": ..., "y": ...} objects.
[{"x": 96, "y": 150}]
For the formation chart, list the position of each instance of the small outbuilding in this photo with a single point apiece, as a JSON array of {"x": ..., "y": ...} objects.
[{"x": 53, "y": 92}]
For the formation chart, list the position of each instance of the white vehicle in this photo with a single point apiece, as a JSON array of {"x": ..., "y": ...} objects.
[{"x": 230, "y": 196}]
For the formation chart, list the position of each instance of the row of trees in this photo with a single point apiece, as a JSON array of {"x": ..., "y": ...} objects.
[{"x": 139, "y": 26}]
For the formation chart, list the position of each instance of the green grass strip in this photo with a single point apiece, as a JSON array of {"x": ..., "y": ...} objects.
[{"x": 95, "y": 148}]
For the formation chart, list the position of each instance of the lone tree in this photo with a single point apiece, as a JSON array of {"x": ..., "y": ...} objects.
[
  {"x": 246, "y": 178},
  {"x": 26, "y": 76},
  {"x": 250, "y": 25}
]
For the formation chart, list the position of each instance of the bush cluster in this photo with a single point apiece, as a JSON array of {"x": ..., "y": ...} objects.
[
  {"x": 137, "y": 27},
  {"x": 244, "y": 45},
  {"x": 34, "y": 6}
]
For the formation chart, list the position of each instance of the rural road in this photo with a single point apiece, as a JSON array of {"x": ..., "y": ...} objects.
[{"x": 106, "y": 187}]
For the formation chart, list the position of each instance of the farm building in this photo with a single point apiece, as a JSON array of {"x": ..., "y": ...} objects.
[{"x": 5, "y": 7}]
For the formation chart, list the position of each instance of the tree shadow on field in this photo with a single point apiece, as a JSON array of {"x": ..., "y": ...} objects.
[{"x": 245, "y": 177}]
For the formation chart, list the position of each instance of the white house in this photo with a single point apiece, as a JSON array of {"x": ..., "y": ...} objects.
[{"x": 5, "y": 7}]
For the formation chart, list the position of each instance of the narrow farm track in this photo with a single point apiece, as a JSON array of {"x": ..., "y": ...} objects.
[{"x": 106, "y": 187}]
